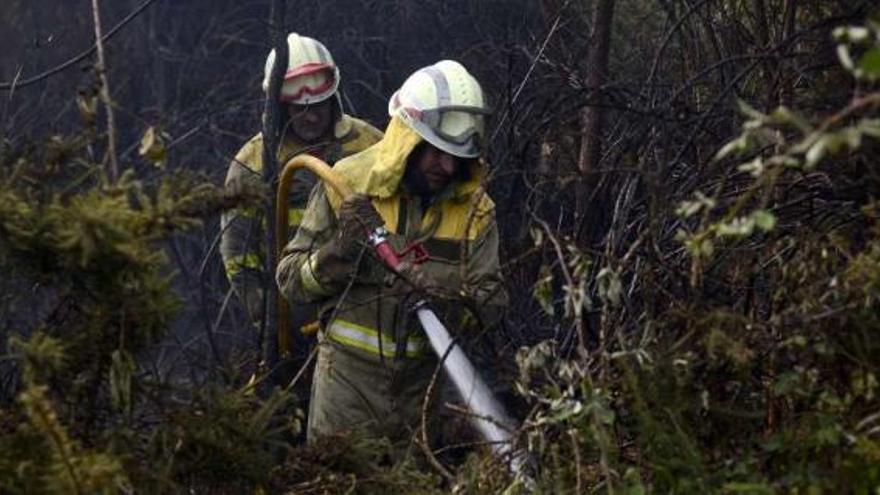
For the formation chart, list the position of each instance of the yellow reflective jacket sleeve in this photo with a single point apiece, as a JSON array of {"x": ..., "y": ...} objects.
[
  {"x": 299, "y": 277},
  {"x": 241, "y": 231}
]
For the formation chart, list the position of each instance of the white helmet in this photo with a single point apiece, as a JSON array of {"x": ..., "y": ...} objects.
[
  {"x": 444, "y": 104},
  {"x": 311, "y": 75}
]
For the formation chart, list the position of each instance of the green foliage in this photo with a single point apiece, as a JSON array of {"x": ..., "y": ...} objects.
[
  {"x": 863, "y": 39},
  {"x": 220, "y": 438},
  {"x": 41, "y": 357},
  {"x": 68, "y": 469},
  {"x": 761, "y": 374},
  {"x": 756, "y": 374},
  {"x": 86, "y": 418},
  {"x": 353, "y": 464}
]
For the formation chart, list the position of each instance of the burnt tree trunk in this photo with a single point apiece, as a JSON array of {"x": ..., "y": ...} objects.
[
  {"x": 271, "y": 139},
  {"x": 592, "y": 116}
]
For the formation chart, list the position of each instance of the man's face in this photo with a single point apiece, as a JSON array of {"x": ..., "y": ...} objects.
[
  {"x": 430, "y": 169},
  {"x": 310, "y": 123}
]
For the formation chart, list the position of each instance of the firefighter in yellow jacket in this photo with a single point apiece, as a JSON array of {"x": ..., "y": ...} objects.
[
  {"x": 313, "y": 122},
  {"x": 423, "y": 182}
]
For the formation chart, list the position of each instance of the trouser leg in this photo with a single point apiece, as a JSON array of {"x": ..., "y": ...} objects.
[
  {"x": 344, "y": 394},
  {"x": 352, "y": 393}
]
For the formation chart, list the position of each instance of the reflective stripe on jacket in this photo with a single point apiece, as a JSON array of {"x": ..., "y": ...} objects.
[{"x": 369, "y": 340}]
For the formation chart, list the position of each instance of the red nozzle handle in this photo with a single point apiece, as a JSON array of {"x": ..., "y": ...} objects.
[
  {"x": 386, "y": 252},
  {"x": 379, "y": 239},
  {"x": 420, "y": 254}
]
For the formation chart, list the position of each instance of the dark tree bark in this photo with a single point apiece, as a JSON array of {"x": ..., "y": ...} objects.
[
  {"x": 271, "y": 139},
  {"x": 593, "y": 115}
]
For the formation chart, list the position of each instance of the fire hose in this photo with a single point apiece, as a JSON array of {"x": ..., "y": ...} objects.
[{"x": 486, "y": 413}]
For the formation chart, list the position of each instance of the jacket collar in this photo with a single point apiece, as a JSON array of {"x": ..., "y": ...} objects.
[{"x": 385, "y": 176}]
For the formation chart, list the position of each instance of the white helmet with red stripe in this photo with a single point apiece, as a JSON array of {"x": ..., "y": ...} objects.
[
  {"x": 444, "y": 104},
  {"x": 311, "y": 75}
]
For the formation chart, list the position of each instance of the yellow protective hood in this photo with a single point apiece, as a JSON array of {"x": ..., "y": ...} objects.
[{"x": 377, "y": 171}]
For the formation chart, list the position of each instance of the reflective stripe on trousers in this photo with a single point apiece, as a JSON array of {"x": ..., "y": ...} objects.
[{"x": 367, "y": 339}]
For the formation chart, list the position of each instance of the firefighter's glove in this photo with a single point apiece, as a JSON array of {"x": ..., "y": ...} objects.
[
  {"x": 413, "y": 277},
  {"x": 337, "y": 260},
  {"x": 414, "y": 284},
  {"x": 357, "y": 217}
]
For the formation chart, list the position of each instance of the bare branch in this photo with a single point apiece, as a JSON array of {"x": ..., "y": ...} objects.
[{"x": 112, "y": 166}]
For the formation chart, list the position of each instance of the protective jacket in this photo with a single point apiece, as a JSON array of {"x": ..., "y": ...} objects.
[
  {"x": 367, "y": 328},
  {"x": 242, "y": 243}
]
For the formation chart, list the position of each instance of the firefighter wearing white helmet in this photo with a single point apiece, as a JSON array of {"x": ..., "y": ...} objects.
[
  {"x": 313, "y": 122},
  {"x": 444, "y": 104},
  {"x": 311, "y": 76},
  {"x": 423, "y": 182}
]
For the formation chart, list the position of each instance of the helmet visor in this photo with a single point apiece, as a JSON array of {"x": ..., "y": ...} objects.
[
  {"x": 460, "y": 127},
  {"x": 310, "y": 83}
]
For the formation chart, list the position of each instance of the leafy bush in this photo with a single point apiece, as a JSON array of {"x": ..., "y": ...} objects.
[
  {"x": 762, "y": 376},
  {"x": 91, "y": 291}
]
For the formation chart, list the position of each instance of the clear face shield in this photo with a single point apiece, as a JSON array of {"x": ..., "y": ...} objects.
[{"x": 456, "y": 129}]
